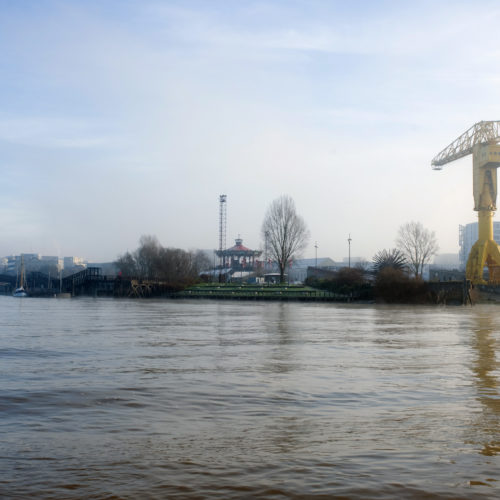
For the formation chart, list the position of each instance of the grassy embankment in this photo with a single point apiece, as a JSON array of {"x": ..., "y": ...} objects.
[
  {"x": 258, "y": 292},
  {"x": 391, "y": 292}
]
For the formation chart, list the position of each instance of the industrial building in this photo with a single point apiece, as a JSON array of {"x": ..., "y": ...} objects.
[{"x": 298, "y": 271}]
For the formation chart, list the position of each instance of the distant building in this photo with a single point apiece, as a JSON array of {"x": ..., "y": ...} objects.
[
  {"x": 39, "y": 263},
  {"x": 11, "y": 265},
  {"x": 31, "y": 261},
  {"x": 436, "y": 274},
  {"x": 447, "y": 261},
  {"x": 51, "y": 261},
  {"x": 468, "y": 235},
  {"x": 298, "y": 270},
  {"x": 354, "y": 260},
  {"x": 70, "y": 262},
  {"x": 321, "y": 273}
]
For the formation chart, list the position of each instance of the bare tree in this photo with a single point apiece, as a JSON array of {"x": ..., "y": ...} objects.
[
  {"x": 147, "y": 256},
  {"x": 417, "y": 244},
  {"x": 284, "y": 232},
  {"x": 175, "y": 265},
  {"x": 201, "y": 261},
  {"x": 153, "y": 261},
  {"x": 127, "y": 265}
]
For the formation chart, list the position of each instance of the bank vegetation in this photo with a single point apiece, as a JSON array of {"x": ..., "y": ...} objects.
[{"x": 175, "y": 267}]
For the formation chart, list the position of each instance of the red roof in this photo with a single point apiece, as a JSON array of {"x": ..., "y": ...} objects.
[{"x": 240, "y": 248}]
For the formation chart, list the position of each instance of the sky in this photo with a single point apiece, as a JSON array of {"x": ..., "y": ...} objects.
[{"x": 127, "y": 118}]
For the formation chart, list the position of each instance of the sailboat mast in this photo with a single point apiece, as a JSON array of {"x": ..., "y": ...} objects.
[{"x": 22, "y": 271}]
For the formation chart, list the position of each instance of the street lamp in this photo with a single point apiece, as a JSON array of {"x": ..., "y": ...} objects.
[
  {"x": 316, "y": 247},
  {"x": 349, "y": 241}
]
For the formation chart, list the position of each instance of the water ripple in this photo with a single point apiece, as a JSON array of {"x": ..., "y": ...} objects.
[{"x": 159, "y": 399}]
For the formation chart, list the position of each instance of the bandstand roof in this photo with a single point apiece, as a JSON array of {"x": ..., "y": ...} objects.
[{"x": 239, "y": 250}]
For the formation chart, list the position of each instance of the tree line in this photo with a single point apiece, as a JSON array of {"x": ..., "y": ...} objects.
[
  {"x": 152, "y": 261},
  {"x": 395, "y": 274},
  {"x": 285, "y": 235}
]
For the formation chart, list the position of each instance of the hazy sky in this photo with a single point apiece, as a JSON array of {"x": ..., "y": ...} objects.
[{"x": 123, "y": 118}]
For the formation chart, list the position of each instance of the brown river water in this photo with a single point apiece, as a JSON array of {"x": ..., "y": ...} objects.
[{"x": 112, "y": 399}]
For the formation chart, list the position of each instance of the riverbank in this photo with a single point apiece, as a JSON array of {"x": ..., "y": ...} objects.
[
  {"x": 443, "y": 293},
  {"x": 238, "y": 291},
  {"x": 413, "y": 292}
]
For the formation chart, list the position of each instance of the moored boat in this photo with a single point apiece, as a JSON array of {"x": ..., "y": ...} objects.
[{"x": 20, "y": 291}]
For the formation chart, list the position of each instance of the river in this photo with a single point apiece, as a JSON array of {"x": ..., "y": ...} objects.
[{"x": 103, "y": 398}]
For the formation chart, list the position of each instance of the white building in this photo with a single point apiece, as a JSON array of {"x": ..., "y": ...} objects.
[
  {"x": 52, "y": 260},
  {"x": 70, "y": 262},
  {"x": 467, "y": 236}
]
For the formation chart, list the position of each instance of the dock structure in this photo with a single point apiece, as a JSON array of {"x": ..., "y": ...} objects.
[
  {"x": 89, "y": 281},
  {"x": 451, "y": 292}
]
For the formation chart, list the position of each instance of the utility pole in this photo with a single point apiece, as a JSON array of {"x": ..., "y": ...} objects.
[
  {"x": 349, "y": 241},
  {"x": 316, "y": 247}
]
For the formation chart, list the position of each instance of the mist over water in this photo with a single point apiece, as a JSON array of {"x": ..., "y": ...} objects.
[{"x": 197, "y": 399}]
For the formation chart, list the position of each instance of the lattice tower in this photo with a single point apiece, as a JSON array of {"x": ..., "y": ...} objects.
[{"x": 222, "y": 227}]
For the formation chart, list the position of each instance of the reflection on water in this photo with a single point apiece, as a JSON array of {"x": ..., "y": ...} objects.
[
  {"x": 485, "y": 368},
  {"x": 194, "y": 399},
  {"x": 282, "y": 357}
]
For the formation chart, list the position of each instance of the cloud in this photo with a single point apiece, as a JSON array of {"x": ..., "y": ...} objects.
[
  {"x": 120, "y": 119},
  {"x": 49, "y": 132}
]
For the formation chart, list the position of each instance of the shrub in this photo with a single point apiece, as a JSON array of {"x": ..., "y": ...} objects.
[
  {"x": 395, "y": 286},
  {"x": 347, "y": 281}
]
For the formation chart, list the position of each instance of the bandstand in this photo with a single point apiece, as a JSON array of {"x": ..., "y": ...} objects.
[{"x": 239, "y": 257}]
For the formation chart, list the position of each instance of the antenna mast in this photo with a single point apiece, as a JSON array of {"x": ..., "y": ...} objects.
[{"x": 222, "y": 228}]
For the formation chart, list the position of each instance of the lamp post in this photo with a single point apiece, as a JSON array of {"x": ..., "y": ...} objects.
[
  {"x": 316, "y": 248},
  {"x": 349, "y": 241}
]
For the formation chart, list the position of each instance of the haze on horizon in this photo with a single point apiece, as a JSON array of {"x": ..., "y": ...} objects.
[{"x": 124, "y": 118}]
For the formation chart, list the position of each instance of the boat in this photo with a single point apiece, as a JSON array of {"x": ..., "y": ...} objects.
[{"x": 21, "y": 291}]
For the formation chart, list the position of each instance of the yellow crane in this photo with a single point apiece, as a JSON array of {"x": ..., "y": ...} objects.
[{"x": 482, "y": 140}]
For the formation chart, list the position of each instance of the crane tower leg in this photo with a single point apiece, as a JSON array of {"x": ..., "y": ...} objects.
[{"x": 484, "y": 252}]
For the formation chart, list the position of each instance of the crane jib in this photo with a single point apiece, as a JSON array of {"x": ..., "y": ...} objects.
[{"x": 485, "y": 132}]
